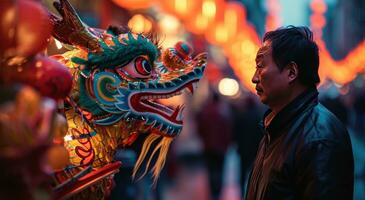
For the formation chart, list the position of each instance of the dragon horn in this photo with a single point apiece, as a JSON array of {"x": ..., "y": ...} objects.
[{"x": 71, "y": 30}]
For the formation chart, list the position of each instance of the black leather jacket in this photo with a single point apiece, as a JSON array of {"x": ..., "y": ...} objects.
[{"x": 306, "y": 153}]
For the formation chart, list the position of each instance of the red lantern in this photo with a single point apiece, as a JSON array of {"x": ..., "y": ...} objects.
[
  {"x": 205, "y": 18},
  {"x": 33, "y": 28},
  {"x": 7, "y": 25},
  {"x": 227, "y": 24},
  {"x": 134, "y": 4},
  {"x": 48, "y": 76},
  {"x": 198, "y": 25},
  {"x": 183, "y": 9},
  {"x": 235, "y": 17}
]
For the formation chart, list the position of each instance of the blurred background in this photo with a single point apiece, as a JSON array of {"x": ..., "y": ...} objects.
[{"x": 212, "y": 156}]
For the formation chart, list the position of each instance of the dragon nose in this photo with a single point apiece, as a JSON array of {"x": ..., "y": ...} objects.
[
  {"x": 178, "y": 57},
  {"x": 184, "y": 50}
]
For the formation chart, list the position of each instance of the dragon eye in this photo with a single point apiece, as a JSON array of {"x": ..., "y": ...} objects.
[{"x": 142, "y": 66}]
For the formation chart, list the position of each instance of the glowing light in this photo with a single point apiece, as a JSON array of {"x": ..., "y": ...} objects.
[
  {"x": 170, "y": 41},
  {"x": 197, "y": 25},
  {"x": 169, "y": 24},
  {"x": 228, "y": 87},
  {"x": 318, "y": 21},
  {"x": 67, "y": 138},
  {"x": 58, "y": 44},
  {"x": 273, "y": 20},
  {"x": 184, "y": 9},
  {"x": 134, "y": 4},
  {"x": 181, "y": 6},
  {"x": 318, "y": 6},
  {"x": 241, "y": 48},
  {"x": 38, "y": 64},
  {"x": 221, "y": 33},
  {"x": 209, "y": 8},
  {"x": 140, "y": 24},
  {"x": 201, "y": 21},
  {"x": 231, "y": 20}
]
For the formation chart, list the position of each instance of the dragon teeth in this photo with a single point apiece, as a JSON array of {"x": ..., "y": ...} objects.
[
  {"x": 142, "y": 85},
  {"x": 197, "y": 71},
  {"x": 131, "y": 86},
  {"x": 160, "y": 85},
  {"x": 158, "y": 126},
  {"x": 191, "y": 74},
  {"x": 163, "y": 127},
  {"x": 184, "y": 77},
  {"x": 169, "y": 84},
  {"x": 151, "y": 85},
  {"x": 150, "y": 122},
  {"x": 177, "y": 81},
  {"x": 195, "y": 85}
]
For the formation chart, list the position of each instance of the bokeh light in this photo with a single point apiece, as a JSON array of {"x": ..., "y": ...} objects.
[{"x": 228, "y": 87}]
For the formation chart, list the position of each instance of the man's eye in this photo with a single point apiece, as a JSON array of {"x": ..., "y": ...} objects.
[{"x": 142, "y": 66}]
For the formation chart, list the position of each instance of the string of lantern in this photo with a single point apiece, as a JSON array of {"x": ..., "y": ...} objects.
[{"x": 224, "y": 24}]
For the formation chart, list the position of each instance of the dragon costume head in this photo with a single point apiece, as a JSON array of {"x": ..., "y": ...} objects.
[
  {"x": 119, "y": 78},
  {"x": 126, "y": 79}
]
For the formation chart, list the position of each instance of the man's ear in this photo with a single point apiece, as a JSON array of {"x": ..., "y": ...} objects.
[{"x": 293, "y": 71}]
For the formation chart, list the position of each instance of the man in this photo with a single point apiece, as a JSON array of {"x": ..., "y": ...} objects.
[{"x": 306, "y": 151}]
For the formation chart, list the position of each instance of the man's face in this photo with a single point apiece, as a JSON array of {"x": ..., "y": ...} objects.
[{"x": 271, "y": 83}]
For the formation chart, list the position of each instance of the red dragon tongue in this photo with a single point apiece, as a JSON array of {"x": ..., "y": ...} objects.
[
  {"x": 176, "y": 112},
  {"x": 191, "y": 88}
]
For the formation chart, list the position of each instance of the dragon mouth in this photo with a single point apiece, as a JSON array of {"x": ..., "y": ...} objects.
[
  {"x": 148, "y": 102},
  {"x": 143, "y": 99}
]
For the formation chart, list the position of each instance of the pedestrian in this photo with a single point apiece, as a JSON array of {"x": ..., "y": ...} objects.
[{"x": 306, "y": 151}]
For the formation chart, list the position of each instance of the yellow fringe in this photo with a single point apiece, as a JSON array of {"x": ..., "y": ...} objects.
[
  {"x": 163, "y": 146},
  {"x": 150, "y": 159},
  {"x": 145, "y": 148}
]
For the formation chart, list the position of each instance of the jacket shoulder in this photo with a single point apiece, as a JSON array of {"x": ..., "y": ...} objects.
[{"x": 324, "y": 125}]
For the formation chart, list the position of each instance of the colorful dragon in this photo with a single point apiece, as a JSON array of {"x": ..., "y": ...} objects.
[{"x": 118, "y": 79}]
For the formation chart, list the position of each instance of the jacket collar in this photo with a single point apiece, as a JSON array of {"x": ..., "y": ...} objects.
[{"x": 290, "y": 111}]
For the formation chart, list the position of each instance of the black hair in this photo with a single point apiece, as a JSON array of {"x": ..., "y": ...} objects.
[{"x": 295, "y": 44}]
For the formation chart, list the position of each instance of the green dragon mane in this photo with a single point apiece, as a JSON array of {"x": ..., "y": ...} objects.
[{"x": 121, "y": 53}]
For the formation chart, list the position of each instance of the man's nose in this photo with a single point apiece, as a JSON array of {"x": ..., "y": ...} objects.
[{"x": 255, "y": 78}]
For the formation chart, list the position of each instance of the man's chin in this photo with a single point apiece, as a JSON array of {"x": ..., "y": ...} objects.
[{"x": 263, "y": 99}]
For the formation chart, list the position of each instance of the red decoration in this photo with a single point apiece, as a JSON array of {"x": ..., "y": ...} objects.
[
  {"x": 33, "y": 28},
  {"x": 48, "y": 76},
  {"x": 134, "y": 4},
  {"x": 74, "y": 186},
  {"x": 24, "y": 28},
  {"x": 7, "y": 25},
  {"x": 184, "y": 50}
]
